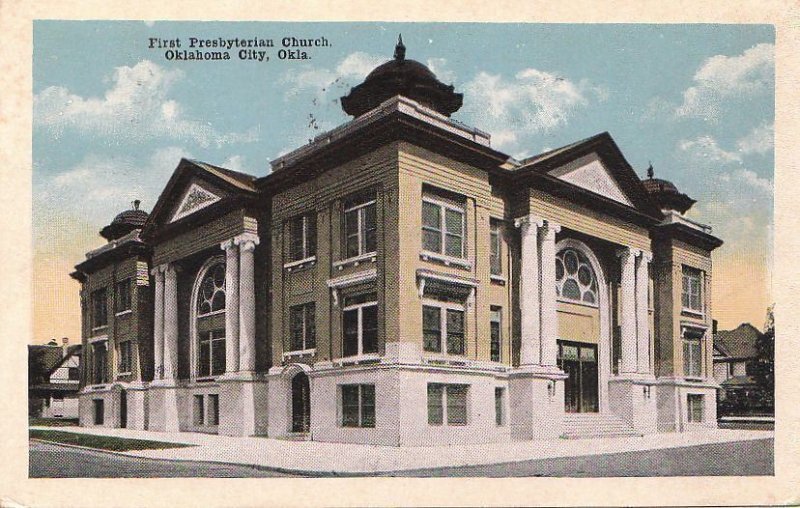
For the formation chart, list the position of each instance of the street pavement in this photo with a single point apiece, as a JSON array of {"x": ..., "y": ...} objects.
[
  {"x": 55, "y": 461},
  {"x": 742, "y": 458}
]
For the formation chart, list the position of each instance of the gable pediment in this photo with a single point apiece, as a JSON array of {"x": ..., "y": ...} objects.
[
  {"x": 195, "y": 197},
  {"x": 590, "y": 173}
]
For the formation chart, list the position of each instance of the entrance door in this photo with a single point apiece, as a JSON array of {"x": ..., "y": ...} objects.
[
  {"x": 123, "y": 409},
  {"x": 301, "y": 403},
  {"x": 579, "y": 362}
]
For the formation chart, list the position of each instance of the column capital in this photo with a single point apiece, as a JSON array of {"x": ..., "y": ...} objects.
[
  {"x": 551, "y": 227},
  {"x": 647, "y": 256},
  {"x": 227, "y": 244},
  {"x": 628, "y": 251},
  {"x": 171, "y": 270},
  {"x": 159, "y": 269},
  {"x": 527, "y": 221},
  {"x": 246, "y": 241}
]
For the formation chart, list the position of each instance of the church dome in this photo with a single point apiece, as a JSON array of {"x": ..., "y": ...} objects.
[
  {"x": 125, "y": 222},
  {"x": 666, "y": 194},
  {"x": 400, "y": 76}
]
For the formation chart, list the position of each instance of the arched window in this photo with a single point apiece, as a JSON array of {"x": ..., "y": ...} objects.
[
  {"x": 575, "y": 278},
  {"x": 211, "y": 320}
]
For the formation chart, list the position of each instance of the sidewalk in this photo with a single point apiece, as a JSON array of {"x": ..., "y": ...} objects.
[{"x": 338, "y": 458}]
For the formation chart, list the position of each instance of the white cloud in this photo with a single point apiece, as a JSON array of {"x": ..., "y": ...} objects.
[
  {"x": 135, "y": 107},
  {"x": 234, "y": 162},
  {"x": 759, "y": 141},
  {"x": 440, "y": 67},
  {"x": 324, "y": 82},
  {"x": 532, "y": 102},
  {"x": 722, "y": 77},
  {"x": 705, "y": 149}
]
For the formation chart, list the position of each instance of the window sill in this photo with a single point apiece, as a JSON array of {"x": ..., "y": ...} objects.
[
  {"x": 354, "y": 360},
  {"x": 300, "y": 263},
  {"x": 577, "y": 302},
  {"x": 693, "y": 313},
  {"x": 300, "y": 352},
  {"x": 370, "y": 257},
  {"x": 212, "y": 313},
  {"x": 435, "y": 257},
  {"x": 498, "y": 279},
  {"x": 98, "y": 328},
  {"x": 206, "y": 379},
  {"x": 694, "y": 379},
  {"x": 123, "y": 312},
  {"x": 120, "y": 374},
  {"x": 433, "y": 358}
]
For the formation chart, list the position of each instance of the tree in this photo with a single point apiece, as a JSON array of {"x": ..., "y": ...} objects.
[{"x": 763, "y": 369}]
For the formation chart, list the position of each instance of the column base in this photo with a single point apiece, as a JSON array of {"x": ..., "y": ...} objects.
[
  {"x": 163, "y": 405},
  {"x": 633, "y": 397},
  {"x": 243, "y": 404},
  {"x": 536, "y": 396}
]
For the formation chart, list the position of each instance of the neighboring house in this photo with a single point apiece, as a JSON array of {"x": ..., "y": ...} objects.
[
  {"x": 399, "y": 281},
  {"x": 55, "y": 395},
  {"x": 735, "y": 354}
]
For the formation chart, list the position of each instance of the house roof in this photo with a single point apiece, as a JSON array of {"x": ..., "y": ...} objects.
[
  {"x": 74, "y": 350},
  {"x": 739, "y": 342},
  {"x": 739, "y": 381},
  {"x": 50, "y": 355}
]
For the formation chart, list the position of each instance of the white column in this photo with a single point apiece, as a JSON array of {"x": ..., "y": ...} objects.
[
  {"x": 171, "y": 322},
  {"x": 548, "y": 294},
  {"x": 628, "y": 309},
  {"x": 529, "y": 290},
  {"x": 247, "y": 301},
  {"x": 158, "y": 324},
  {"x": 231, "y": 306},
  {"x": 642, "y": 312}
]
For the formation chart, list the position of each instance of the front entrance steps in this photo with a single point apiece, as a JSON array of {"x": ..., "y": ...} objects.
[{"x": 589, "y": 425}]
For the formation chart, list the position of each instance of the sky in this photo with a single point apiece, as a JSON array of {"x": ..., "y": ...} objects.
[{"x": 112, "y": 117}]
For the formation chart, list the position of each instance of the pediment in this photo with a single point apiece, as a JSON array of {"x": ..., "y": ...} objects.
[
  {"x": 589, "y": 172},
  {"x": 195, "y": 197}
]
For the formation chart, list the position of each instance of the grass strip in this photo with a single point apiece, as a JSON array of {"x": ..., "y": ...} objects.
[{"x": 117, "y": 444}]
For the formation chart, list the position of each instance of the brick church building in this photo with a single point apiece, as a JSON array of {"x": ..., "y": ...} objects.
[{"x": 398, "y": 281}]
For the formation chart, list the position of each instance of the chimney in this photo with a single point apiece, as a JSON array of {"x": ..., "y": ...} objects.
[
  {"x": 64, "y": 345},
  {"x": 713, "y": 327}
]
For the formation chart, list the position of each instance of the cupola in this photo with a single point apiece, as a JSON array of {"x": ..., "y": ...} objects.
[
  {"x": 125, "y": 222},
  {"x": 665, "y": 194},
  {"x": 401, "y": 76}
]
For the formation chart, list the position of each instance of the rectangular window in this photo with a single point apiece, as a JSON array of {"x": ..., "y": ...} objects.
[
  {"x": 213, "y": 409},
  {"x": 447, "y": 403},
  {"x": 212, "y": 353},
  {"x": 73, "y": 373},
  {"x": 495, "y": 259},
  {"x": 443, "y": 323},
  {"x": 303, "y": 329},
  {"x": 499, "y": 402},
  {"x": 496, "y": 330},
  {"x": 692, "y": 294},
  {"x": 360, "y": 325},
  {"x": 125, "y": 360},
  {"x": 360, "y": 227},
  {"x": 303, "y": 237},
  {"x": 695, "y": 406},
  {"x": 99, "y": 363},
  {"x": 199, "y": 410},
  {"x": 443, "y": 228},
  {"x": 99, "y": 411},
  {"x": 99, "y": 308},
  {"x": 122, "y": 296},
  {"x": 358, "y": 406},
  {"x": 692, "y": 354}
]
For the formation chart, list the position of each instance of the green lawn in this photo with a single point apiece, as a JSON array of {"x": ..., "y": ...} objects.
[
  {"x": 52, "y": 422},
  {"x": 117, "y": 444}
]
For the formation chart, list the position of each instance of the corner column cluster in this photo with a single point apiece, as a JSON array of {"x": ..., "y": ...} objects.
[
  {"x": 634, "y": 311},
  {"x": 539, "y": 319}
]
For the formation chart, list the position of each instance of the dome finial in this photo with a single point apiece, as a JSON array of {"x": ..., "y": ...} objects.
[
  {"x": 650, "y": 172},
  {"x": 136, "y": 204},
  {"x": 400, "y": 49}
]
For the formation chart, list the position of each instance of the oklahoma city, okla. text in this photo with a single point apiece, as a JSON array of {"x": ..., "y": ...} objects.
[{"x": 221, "y": 48}]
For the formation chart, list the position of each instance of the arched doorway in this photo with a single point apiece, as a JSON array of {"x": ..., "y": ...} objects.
[
  {"x": 301, "y": 403},
  {"x": 582, "y": 326}
]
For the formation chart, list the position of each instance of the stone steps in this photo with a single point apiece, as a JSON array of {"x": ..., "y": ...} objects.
[{"x": 591, "y": 425}]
